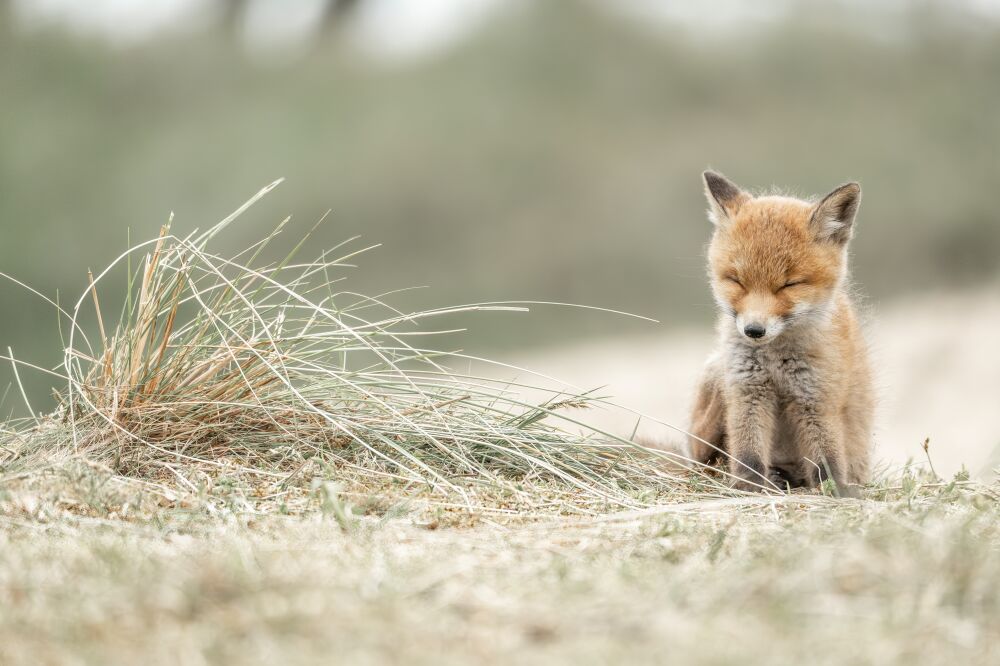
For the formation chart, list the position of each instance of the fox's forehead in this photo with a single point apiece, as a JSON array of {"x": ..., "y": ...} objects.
[
  {"x": 783, "y": 213},
  {"x": 769, "y": 238}
]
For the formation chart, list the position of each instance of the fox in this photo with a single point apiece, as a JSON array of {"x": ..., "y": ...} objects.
[{"x": 787, "y": 394}]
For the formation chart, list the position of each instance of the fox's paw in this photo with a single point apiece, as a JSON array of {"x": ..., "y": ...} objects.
[
  {"x": 749, "y": 473},
  {"x": 780, "y": 480}
]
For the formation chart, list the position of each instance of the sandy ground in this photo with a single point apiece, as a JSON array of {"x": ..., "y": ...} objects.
[{"x": 937, "y": 363}]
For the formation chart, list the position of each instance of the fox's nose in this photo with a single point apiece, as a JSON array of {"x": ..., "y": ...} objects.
[{"x": 754, "y": 331}]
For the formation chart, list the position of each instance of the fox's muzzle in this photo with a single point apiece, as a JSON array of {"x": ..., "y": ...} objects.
[{"x": 758, "y": 328}]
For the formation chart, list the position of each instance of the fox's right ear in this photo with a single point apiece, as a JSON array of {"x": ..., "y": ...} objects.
[{"x": 724, "y": 197}]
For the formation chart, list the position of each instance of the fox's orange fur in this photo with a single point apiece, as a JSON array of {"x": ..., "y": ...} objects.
[{"x": 787, "y": 396}]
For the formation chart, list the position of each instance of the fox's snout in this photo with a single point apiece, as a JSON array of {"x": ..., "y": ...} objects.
[
  {"x": 758, "y": 327},
  {"x": 759, "y": 315}
]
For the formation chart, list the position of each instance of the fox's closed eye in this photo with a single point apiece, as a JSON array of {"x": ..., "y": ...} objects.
[
  {"x": 792, "y": 283},
  {"x": 734, "y": 280}
]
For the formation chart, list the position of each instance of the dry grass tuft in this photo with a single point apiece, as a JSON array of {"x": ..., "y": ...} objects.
[{"x": 217, "y": 365}]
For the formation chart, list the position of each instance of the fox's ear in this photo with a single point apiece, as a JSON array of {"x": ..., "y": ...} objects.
[
  {"x": 833, "y": 217},
  {"x": 724, "y": 198}
]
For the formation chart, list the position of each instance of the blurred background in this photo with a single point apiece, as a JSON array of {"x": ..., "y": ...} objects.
[{"x": 509, "y": 150}]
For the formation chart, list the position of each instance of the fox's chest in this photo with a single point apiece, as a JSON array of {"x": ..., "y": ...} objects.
[
  {"x": 789, "y": 373},
  {"x": 784, "y": 377}
]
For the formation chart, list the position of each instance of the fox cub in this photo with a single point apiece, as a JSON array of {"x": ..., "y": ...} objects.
[{"x": 787, "y": 395}]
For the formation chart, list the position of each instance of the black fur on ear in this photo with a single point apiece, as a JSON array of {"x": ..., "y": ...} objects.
[
  {"x": 833, "y": 217},
  {"x": 724, "y": 197}
]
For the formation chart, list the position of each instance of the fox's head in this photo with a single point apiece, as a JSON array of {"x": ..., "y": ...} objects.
[{"x": 775, "y": 261}]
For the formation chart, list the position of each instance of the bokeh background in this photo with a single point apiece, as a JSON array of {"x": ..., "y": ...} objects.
[{"x": 517, "y": 150}]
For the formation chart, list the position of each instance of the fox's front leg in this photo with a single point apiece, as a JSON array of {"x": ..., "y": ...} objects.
[
  {"x": 818, "y": 431},
  {"x": 820, "y": 440},
  {"x": 750, "y": 422}
]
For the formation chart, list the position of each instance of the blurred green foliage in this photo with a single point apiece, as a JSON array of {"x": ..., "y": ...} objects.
[{"x": 555, "y": 155}]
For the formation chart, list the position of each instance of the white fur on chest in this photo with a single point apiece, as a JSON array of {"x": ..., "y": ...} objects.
[
  {"x": 786, "y": 367},
  {"x": 778, "y": 375}
]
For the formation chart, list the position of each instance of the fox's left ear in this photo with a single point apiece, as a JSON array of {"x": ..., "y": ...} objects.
[{"x": 833, "y": 217}]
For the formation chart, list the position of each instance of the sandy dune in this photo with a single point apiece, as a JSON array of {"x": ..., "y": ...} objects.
[{"x": 937, "y": 362}]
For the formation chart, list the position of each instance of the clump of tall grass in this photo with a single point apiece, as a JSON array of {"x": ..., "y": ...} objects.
[{"x": 216, "y": 361}]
